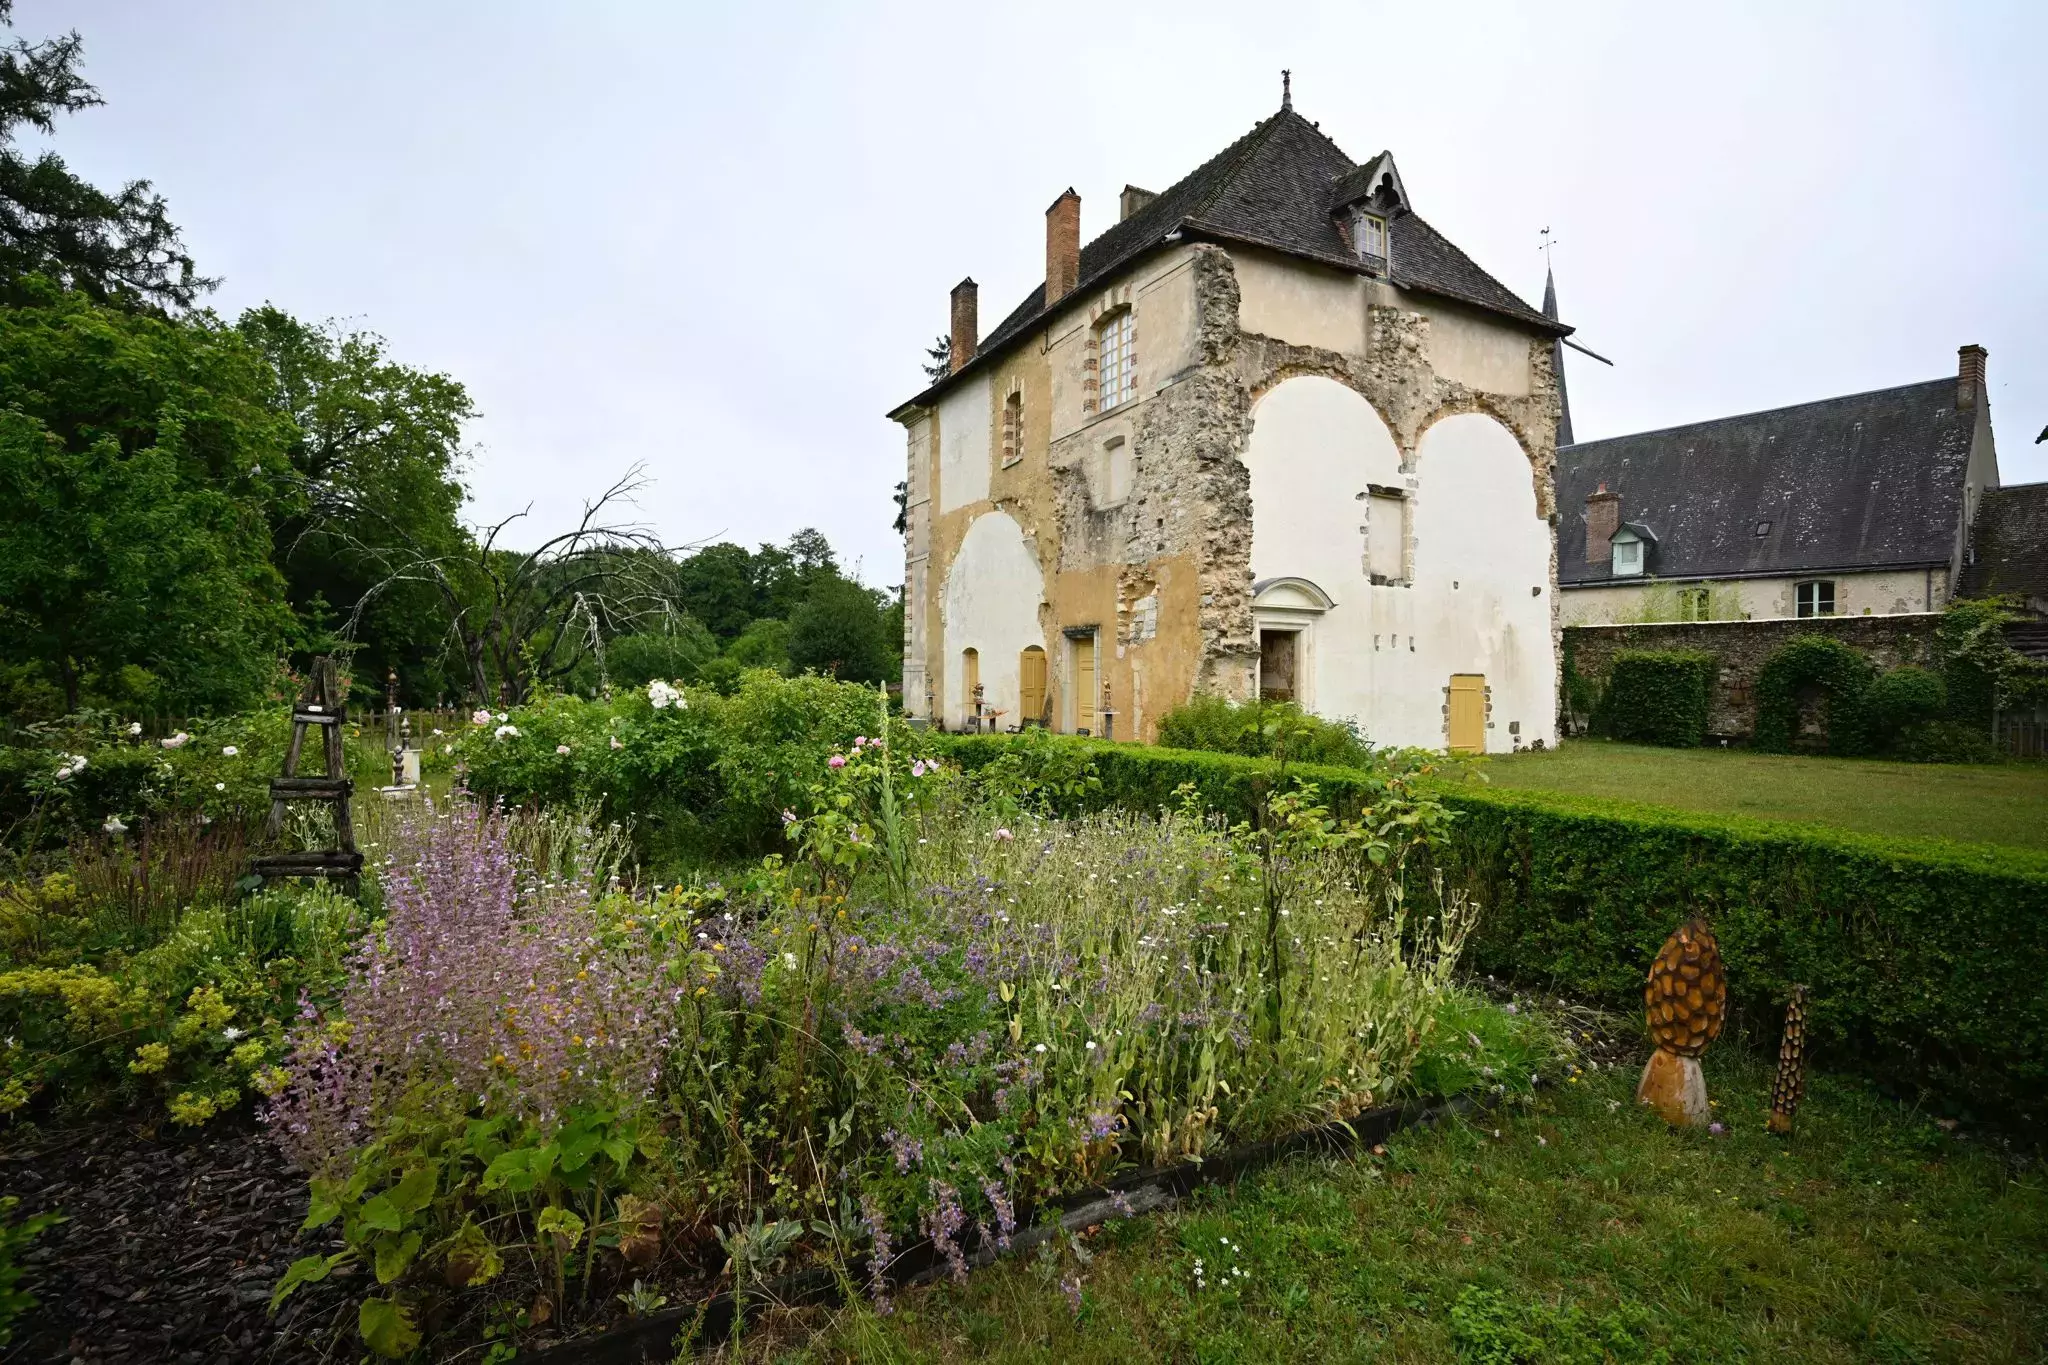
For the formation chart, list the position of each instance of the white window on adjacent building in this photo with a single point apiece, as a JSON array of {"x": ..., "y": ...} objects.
[
  {"x": 1115, "y": 359},
  {"x": 1628, "y": 554},
  {"x": 1372, "y": 236},
  {"x": 1695, "y": 604},
  {"x": 1817, "y": 597}
]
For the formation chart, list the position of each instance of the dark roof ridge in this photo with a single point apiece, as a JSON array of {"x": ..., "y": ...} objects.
[{"x": 1759, "y": 412}]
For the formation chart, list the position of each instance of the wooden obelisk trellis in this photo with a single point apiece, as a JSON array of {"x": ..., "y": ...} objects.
[{"x": 321, "y": 707}]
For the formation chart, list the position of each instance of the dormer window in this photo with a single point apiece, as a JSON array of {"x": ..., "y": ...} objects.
[
  {"x": 1372, "y": 237},
  {"x": 1628, "y": 554}
]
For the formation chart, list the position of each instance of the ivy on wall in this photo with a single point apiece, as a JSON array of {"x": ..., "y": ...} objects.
[
  {"x": 1657, "y": 696},
  {"x": 1838, "y": 673}
]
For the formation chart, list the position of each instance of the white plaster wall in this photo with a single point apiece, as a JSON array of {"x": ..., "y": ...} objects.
[
  {"x": 1482, "y": 578},
  {"x": 964, "y": 434},
  {"x": 1765, "y": 599},
  {"x": 1315, "y": 446},
  {"x": 991, "y": 599},
  {"x": 1384, "y": 655}
]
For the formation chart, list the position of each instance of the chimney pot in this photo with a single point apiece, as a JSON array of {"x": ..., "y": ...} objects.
[
  {"x": 1062, "y": 246},
  {"x": 1970, "y": 375},
  {"x": 1133, "y": 199},
  {"x": 966, "y": 334},
  {"x": 1603, "y": 519}
]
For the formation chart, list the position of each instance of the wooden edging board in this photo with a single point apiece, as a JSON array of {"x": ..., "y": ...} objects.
[{"x": 653, "y": 1337}]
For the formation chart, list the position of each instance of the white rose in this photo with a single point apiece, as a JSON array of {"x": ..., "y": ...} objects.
[
  {"x": 229, "y": 750},
  {"x": 506, "y": 732},
  {"x": 177, "y": 741},
  {"x": 561, "y": 748}
]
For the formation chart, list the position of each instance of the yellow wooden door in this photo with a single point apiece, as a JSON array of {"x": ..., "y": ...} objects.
[
  {"x": 1031, "y": 686},
  {"x": 1468, "y": 713},
  {"x": 1084, "y": 685},
  {"x": 970, "y": 688}
]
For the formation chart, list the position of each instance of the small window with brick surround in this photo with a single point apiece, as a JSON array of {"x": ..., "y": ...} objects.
[
  {"x": 1013, "y": 429},
  {"x": 1116, "y": 368}
]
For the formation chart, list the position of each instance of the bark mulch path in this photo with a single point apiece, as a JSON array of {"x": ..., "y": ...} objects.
[{"x": 171, "y": 1251}]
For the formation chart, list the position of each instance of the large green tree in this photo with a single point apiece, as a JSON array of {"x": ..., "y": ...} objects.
[
  {"x": 113, "y": 247},
  {"x": 376, "y": 463},
  {"x": 139, "y": 467},
  {"x": 841, "y": 629}
]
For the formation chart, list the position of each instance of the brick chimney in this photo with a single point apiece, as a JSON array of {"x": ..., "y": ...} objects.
[
  {"x": 1603, "y": 519},
  {"x": 1062, "y": 246},
  {"x": 1969, "y": 375},
  {"x": 966, "y": 333},
  {"x": 1132, "y": 200}
]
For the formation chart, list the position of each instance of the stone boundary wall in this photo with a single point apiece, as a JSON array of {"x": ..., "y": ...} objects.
[{"x": 1742, "y": 647}]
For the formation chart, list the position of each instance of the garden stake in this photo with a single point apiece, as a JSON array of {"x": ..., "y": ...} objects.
[
  {"x": 1790, "y": 1085},
  {"x": 1686, "y": 1000}
]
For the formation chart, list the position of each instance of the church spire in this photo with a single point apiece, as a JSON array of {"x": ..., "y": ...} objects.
[{"x": 1564, "y": 406}]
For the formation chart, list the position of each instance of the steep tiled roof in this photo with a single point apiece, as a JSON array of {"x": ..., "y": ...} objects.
[
  {"x": 2009, "y": 544},
  {"x": 1861, "y": 482},
  {"x": 1274, "y": 187}
]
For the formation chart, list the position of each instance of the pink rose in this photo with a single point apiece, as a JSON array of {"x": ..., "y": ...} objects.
[{"x": 836, "y": 761}]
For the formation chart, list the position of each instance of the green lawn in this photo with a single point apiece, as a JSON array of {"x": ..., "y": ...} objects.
[
  {"x": 1581, "y": 1231},
  {"x": 1988, "y": 804}
]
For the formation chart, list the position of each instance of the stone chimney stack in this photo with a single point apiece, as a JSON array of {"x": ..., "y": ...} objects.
[
  {"x": 1062, "y": 246},
  {"x": 1133, "y": 199},
  {"x": 1969, "y": 375},
  {"x": 966, "y": 333},
  {"x": 1603, "y": 519}
]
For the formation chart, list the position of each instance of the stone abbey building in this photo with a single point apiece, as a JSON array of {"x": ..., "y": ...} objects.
[{"x": 1270, "y": 434}]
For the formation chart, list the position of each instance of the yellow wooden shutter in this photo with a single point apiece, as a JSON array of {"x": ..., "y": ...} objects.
[
  {"x": 1468, "y": 713},
  {"x": 1031, "y": 685}
]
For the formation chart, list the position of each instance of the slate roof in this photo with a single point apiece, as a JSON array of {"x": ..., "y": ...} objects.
[
  {"x": 1867, "y": 481},
  {"x": 1275, "y": 187},
  {"x": 2009, "y": 544}
]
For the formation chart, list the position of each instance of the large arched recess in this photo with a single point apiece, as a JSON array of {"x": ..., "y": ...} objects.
[
  {"x": 991, "y": 600},
  {"x": 1316, "y": 450},
  {"x": 1482, "y": 574}
]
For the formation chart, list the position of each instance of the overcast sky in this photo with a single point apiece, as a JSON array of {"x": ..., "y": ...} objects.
[{"x": 715, "y": 239}]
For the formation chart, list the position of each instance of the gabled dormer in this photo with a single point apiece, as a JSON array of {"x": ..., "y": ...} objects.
[{"x": 1365, "y": 204}]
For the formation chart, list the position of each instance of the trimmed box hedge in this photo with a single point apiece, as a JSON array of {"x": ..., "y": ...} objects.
[{"x": 1927, "y": 961}]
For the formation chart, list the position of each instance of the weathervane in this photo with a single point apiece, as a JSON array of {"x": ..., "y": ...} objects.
[{"x": 1548, "y": 242}]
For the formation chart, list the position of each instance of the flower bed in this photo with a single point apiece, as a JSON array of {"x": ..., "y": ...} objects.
[{"x": 539, "y": 1097}]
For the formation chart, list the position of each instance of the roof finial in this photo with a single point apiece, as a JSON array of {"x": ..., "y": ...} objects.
[
  {"x": 1286, "y": 90},
  {"x": 1545, "y": 248}
]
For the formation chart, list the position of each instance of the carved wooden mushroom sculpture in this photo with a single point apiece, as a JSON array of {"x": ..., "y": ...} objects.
[
  {"x": 1686, "y": 1000},
  {"x": 1790, "y": 1085}
]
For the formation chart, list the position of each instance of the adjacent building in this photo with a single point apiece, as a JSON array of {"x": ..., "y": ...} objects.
[
  {"x": 1853, "y": 506},
  {"x": 1269, "y": 434}
]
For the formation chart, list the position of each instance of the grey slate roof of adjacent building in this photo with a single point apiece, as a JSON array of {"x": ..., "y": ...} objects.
[
  {"x": 1275, "y": 187},
  {"x": 2009, "y": 544},
  {"x": 1867, "y": 481}
]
